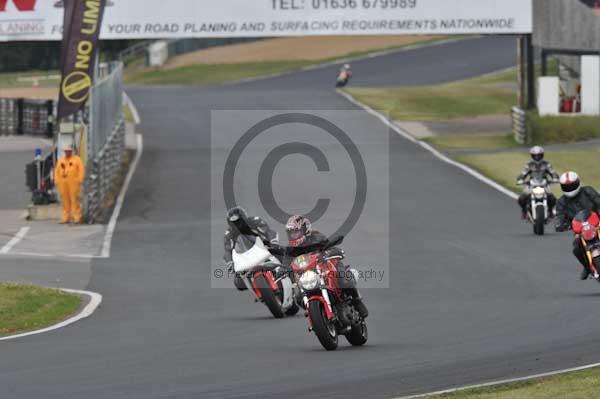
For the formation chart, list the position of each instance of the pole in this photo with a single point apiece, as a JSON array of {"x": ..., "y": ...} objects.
[
  {"x": 521, "y": 72},
  {"x": 531, "y": 95},
  {"x": 544, "y": 63}
]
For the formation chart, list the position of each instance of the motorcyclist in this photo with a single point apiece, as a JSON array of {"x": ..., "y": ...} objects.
[
  {"x": 240, "y": 224},
  {"x": 575, "y": 199},
  {"x": 345, "y": 72},
  {"x": 540, "y": 169},
  {"x": 301, "y": 235}
]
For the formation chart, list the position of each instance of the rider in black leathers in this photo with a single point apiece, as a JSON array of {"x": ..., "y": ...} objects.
[
  {"x": 240, "y": 224},
  {"x": 303, "y": 239},
  {"x": 574, "y": 200},
  {"x": 540, "y": 169}
]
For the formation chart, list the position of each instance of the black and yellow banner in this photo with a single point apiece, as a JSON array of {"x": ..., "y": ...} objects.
[{"x": 83, "y": 19}]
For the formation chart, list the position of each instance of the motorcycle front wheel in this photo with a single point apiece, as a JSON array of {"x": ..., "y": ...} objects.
[
  {"x": 539, "y": 221},
  {"x": 324, "y": 329}
]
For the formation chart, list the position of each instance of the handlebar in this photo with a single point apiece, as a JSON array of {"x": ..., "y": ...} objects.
[{"x": 277, "y": 249}]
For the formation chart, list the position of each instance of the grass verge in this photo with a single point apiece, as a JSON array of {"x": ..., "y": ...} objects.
[
  {"x": 576, "y": 385},
  {"x": 473, "y": 141},
  {"x": 127, "y": 114},
  {"x": 486, "y": 95},
  {"x": 10, "y": 80},
  {"x": 26, "y": 308},
  {"x": 563, "y": 129},
  {"x": 210, "y": 73},
  {"x": 505, "y": 167}
]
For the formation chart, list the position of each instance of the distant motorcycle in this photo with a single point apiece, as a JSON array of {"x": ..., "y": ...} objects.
[
  {"x": 343, "y": 78},
  {"x": 263, "y": 273},
  {"x": 538, "y": 212},
  {"x": 586, "y": 226},
  {"x": 329, "y": 311}
]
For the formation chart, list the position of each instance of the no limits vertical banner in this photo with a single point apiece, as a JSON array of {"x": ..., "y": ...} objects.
[{"x": 83, "y": 19}]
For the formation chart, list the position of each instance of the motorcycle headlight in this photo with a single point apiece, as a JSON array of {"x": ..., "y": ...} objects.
[
  {"x": 539, "y": 192},
  {"x": 309, "y": 280}
]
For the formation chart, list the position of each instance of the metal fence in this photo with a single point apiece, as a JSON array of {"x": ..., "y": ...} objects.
[{"x": 105, "y": 139}]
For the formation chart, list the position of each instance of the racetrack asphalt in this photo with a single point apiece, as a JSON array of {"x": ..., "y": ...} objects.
[{"x": 473, "y": 295}]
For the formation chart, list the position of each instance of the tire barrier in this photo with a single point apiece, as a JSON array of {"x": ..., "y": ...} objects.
[
  {"x": 519, "y": 125},
  {"x": 23, "y": 116},
  {"x": 9, "y": 116}
]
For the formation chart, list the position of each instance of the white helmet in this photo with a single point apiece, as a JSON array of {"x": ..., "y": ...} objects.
[
  {"x": 570, "y": 184},
  {"x": 537, "y": 153},
  {"x": 347, "y": 66}
]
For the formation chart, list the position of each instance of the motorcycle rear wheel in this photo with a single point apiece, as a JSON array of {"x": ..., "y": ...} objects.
[
  {"x": 359, "y": 334},
  {"x": 292, "y": 310},
  {"x": 325, "y": 330},
  {"x": 269, "y": 297}
]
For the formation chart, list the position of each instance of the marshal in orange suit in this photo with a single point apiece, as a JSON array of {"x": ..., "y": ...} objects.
[{"x": 68, "y": 177}]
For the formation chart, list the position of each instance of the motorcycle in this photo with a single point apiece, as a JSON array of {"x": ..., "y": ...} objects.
[
  {"x": 330, "y": 313},
  {"x": 586, "y": 226},
  {"x": 263, "y": 273},
  {"x": 538, "y": 212},
  {"x": 343, "y": 78}
]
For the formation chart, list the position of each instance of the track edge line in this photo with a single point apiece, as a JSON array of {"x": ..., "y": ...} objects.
[
  {"x": 502, "y": 382},
  {"x": 428, "y": 147}
]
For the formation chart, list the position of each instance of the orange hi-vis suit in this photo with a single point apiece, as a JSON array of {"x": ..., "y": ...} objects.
[{"x": 68, "y": 176}]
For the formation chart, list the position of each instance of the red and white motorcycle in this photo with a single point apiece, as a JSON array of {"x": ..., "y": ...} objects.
[
  {"x": 586, "y": 226},
  {"x": 330, "y": 312},
  {"x": 343, "y": 77},
  {"x": 263, "y": 274}
]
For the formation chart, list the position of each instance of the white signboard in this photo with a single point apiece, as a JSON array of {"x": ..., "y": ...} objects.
[{"x": 138, "y": 19}]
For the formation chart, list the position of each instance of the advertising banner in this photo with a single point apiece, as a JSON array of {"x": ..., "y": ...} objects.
[
  {"x": 79, "y": 49},
  {"x": 143, "y": 19}
]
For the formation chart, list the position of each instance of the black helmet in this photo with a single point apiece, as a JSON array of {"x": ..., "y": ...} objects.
[
  {"x": 537, "y": 153},
  {"x": 237, "y": 218},
  {"x": 297, "y": 229}
]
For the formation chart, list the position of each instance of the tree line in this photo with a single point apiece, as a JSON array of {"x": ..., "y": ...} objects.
[{"x": 45, "y": 56}]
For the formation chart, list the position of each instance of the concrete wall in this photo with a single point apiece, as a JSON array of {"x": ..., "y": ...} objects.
[{"x": 565, "y": 24}]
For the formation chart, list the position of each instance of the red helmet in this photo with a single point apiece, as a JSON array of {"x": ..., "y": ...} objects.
[{"x": 297, "y": 228}]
